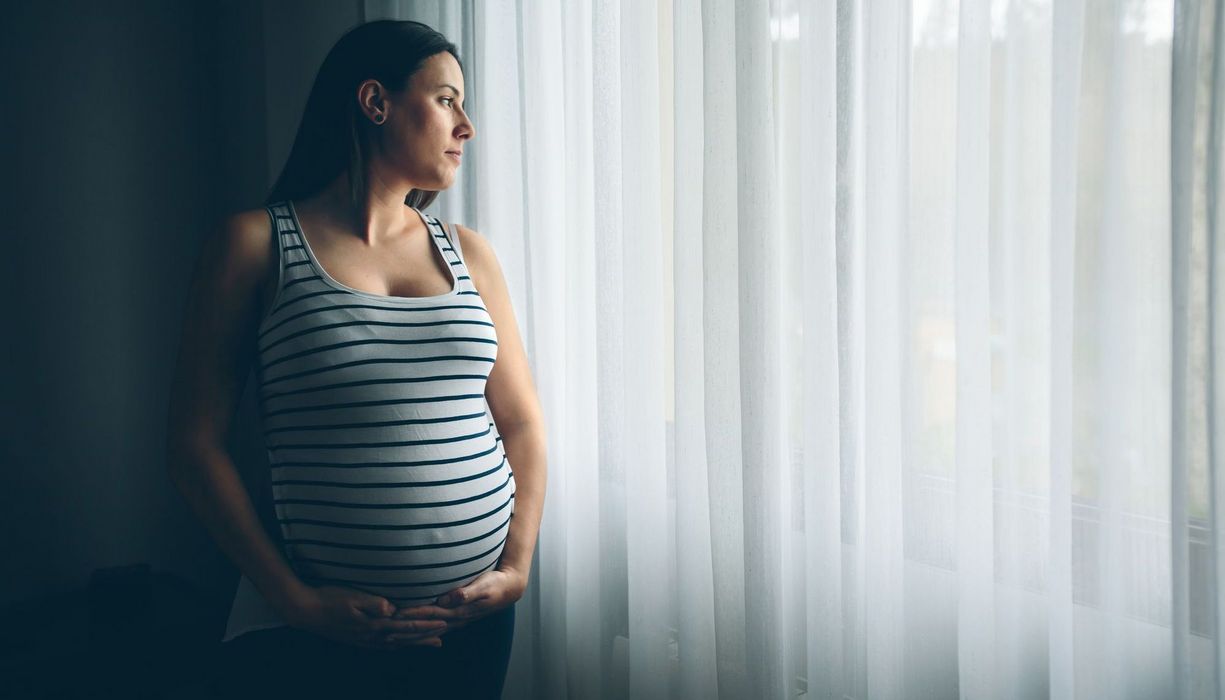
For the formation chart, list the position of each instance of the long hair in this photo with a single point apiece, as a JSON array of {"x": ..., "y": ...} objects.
[{"x": 333, "y": 136}]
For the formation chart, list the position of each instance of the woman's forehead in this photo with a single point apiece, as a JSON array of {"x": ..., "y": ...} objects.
[{"x": 440, "y": 70}]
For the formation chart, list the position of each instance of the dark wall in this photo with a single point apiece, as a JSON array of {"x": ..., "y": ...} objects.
[{"x": 128, "y": 129}]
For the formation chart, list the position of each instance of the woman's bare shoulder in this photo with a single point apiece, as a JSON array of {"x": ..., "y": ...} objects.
[
  {"x": 477, "y": 250},
  {"x": 238, "y": 252},
  {"x": 248, "y": 232}
]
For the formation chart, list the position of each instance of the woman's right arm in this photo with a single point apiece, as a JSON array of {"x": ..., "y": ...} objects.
[{"x": 216, "y": 349}]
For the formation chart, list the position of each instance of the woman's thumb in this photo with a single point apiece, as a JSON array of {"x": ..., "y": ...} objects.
[{"x": 375, "y": 606}]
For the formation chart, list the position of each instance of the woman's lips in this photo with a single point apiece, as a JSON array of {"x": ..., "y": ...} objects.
[{"x": 456, "y": 156}]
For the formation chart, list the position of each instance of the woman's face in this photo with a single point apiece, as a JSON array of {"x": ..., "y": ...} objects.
[{"x": 423, "y": 122}]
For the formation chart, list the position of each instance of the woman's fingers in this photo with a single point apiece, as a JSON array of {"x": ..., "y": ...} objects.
[
  {"x": 402, "y": 632},
  {"x": 427, "y": 612},
  {"x": 469, "y": 611},
  {"x": 397, "y": 640},
  {"x": 395, "y": 637},
  {"x": 390, "y": 626},
  {"x": 456, "y": 625},
  {"x": 411, "y": 637}
]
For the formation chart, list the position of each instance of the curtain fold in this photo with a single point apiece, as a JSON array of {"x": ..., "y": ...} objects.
[
  {"x": 1215, "y": 320},
  {"x": 1195, "y": 153},
  {"x": 976, "y": 605},
  {"x": 878, "y": 342},
  {"x": 818, "y": 88},
  {"x": 1067, "y": 31}
]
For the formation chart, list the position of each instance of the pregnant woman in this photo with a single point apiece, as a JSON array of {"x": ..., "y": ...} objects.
[{"x": 404, "y": 436}]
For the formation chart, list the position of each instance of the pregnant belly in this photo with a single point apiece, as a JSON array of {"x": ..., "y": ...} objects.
[{"x": 408, "y": 531}]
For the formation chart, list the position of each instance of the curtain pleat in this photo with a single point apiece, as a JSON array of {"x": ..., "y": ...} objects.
[
  {"x": 818, "y": 361},
  {"x": 1066, "y": 51},
  {"x": 695, "y": 512},
  {"x": 976, "y": 609},
  {"x": 759, "y": 264},
  {"x": 885, "y": 398},
  {"x": 1215, "y": 320},
  {"x": 1194, "y": 187},
  {"x": 722, "y": 397},
  {"x": 646, "y": 503},
  {"x": 580, "y": 429}
]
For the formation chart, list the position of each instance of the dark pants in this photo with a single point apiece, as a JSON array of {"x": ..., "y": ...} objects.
[{"x": 289, "y": 663}]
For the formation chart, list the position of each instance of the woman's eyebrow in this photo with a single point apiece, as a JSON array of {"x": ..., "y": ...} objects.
[{"x": 453, "y": 89}]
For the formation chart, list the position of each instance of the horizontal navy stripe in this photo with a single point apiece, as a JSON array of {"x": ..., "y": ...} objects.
[
  {"x": 300, "y": 280},
  {"x": 373, "y": 382},
  {"x": 302, "y": 297},
  {"x": 410, "y": 526},
  {"x": 409, "y": 567},
  {"x": 360, "y": 404},
  {"x": 385, "y": 484},
  {"x": 375, "y": 361},
  {"x": 398, "y": 547},
  {"x": 376, "y": 424},
  {"x": 383, "y": 465},
  {"x": 349, "y": 582},
  {"x": 367, "y": 323},
  {"x": 373, "y": 445},
  {"x": 389, "y": 506},
  {"x": 372, "y": 307},
  {"x": 377, "y": 341}
]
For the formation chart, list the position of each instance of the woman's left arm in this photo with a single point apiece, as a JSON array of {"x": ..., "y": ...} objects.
[
  {"x": 512, "y": 398},
  {"x": 516, "y": 411}
]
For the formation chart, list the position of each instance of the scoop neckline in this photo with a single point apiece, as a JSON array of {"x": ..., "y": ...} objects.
[{"x": 327, "y": 278}]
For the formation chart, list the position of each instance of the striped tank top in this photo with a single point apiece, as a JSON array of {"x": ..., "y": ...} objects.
[{"x": 387, "y": 473}]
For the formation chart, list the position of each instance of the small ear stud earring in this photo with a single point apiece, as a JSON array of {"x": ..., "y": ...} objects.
[{"x": 378, "y": 119}]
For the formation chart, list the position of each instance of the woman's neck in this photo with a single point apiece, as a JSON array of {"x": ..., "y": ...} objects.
[{"x": 384, "y": 213}]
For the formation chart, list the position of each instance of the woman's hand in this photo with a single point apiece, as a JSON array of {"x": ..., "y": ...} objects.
[
  {"x": 486, "y": 594},
  {"x": 358, "y": 618}
]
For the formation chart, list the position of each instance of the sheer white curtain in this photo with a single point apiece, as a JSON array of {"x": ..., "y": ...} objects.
[{"x": 879, "y": 342}]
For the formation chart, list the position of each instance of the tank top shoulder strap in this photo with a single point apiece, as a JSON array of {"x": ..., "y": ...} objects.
[
  {"x": 295, "y": 262},
  {"x": 447, "y": 238},
  {"x": 453, "y": 232}
]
